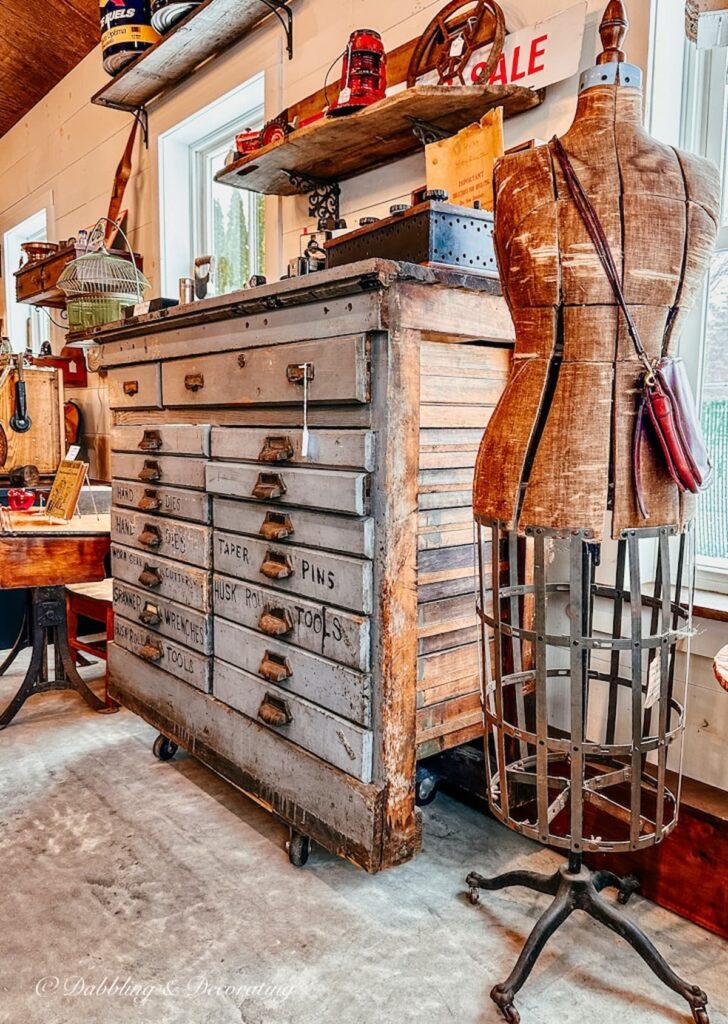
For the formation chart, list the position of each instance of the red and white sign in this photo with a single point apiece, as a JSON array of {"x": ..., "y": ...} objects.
[{"x": 534, "y": 57}]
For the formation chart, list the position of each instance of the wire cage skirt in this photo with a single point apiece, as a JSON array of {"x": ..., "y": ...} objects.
[{"x": 581, "y": 723}]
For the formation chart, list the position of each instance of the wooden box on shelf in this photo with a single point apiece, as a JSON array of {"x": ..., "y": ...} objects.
[{"x": 37, "y": 283}]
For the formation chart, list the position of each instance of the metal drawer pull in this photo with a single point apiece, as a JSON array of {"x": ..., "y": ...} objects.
[
  {"x": 268, "y": 487},
  {"x": 150, "y": 536},
  {"x": 295, "y": 372},
  {"x": 276, "y": 526},
  {"x": 274, "y": 711},
  {"x": 151, "y": 502},
  {"x": 151, "y": 441},
  {"x": 194, "y": 382},
  {"x": 149, "y": 615},
  {"x": 131, "y": 388},
  {"x": 277, "y": 449},
  {"x": 276, "y": 566},
  {"x": 152, "y": 472},
  {"x": 275, "y": 668},
  {"x": 275, "y": 621},
  {"x": 150, "y": 578},
  {"x": 150, "y": 652}
]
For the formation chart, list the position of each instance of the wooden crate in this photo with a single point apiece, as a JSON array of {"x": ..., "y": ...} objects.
[{"x": 44, "y": 444}]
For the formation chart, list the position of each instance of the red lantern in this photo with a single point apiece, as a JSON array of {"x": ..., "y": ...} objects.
[{"x": 364, "y": 74}]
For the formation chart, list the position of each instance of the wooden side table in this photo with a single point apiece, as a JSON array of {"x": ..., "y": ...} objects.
[{"x": 44, "y": 556}]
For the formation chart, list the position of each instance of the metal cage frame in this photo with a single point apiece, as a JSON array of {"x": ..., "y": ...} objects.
[{"x": 562, "y": 774}]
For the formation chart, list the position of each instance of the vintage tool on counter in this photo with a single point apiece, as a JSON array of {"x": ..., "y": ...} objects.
[
  {"x": 452, "y": 37},
  {"x": 126, "y": 32},
  {"x": 20, "y": 421},
  {"x": 363, "y": 75},
  {"x": 433, "y": 233},
  {"x": 204, "y": 269},
  {"x": 166, "y": 13}
]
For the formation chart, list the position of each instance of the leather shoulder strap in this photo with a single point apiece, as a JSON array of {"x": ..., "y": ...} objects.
[{"x": 599, "y": 239}]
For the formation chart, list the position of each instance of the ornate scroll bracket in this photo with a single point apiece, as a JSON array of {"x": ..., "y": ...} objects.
[
  {"x": 285, "y": 15},
  {"x": 427, "y": 133},
  {"x": 324, "y": 197}
]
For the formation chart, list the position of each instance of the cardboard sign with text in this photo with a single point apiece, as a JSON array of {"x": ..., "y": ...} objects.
[
  {"x": 63, "y": 499},
  {"x": 463, "y": 165},
  {"x": 535, "y": 57}
]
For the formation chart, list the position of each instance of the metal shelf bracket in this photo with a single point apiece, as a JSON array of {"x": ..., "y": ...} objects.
[
  {"x": 141, "y": 115},
  {"x": 324, "y": 197},
  {"x": 285, "y": 15}
]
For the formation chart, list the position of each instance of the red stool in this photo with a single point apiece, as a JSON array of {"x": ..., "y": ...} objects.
[{"x": 93, "y": 601}]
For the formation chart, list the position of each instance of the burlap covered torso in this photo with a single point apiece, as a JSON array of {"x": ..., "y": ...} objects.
[{"x": 558, "y": 450}]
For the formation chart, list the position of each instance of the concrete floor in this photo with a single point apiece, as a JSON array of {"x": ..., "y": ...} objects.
[{"x": 165, "y": 880}]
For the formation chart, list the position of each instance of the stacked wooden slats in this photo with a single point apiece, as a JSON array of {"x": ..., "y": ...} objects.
[{"x": 460, "y": 386}]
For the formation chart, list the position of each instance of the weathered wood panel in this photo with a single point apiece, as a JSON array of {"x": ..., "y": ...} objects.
[
  {"x": 168, "y": 470},
  {"x": 167, "y": 655},
  {"x": 135, "y": 387},
  {"x": 340, "y": 448},
  {"x": 345, "y": 534},
  {"x": 185, "y": 625},
  {"x": 334, "y": 809},
  {"x": 168, "y": 538},
  {"x": 166, "y": 439},
  {"x": 342, "y": 690},
  {"x": 336, "y": 490},
  {"x": 336, "y": 741},
  {"x": 162, "y": 577},
  {"x": 271, "y": 376},
  {"x": 328, "y": 631},
  {"x": 162, "y": 501},
  {"x": 318, "y": 575}
]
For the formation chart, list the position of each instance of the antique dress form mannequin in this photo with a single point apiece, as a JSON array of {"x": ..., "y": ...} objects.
[
  {"x": 578, "y": 670},
  {"x": 568, "y": 411}
]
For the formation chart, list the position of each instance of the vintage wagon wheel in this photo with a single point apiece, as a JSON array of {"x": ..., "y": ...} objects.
[{"x": 476, "y": 22}]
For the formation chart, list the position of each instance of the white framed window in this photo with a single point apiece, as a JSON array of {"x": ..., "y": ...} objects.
[
  {"x": 24, "y": 325},
  {"x": 692, "y": 111},
  {"x": 198, "y": 217}
]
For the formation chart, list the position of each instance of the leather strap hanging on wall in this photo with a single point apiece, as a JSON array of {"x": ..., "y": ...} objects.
[
  {"x": 485, "y": 24},
  {"x": 121, "y": 180}
]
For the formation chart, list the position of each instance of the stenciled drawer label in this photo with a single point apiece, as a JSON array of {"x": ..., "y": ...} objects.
[
  {"x": 162, "y": 501},
  {"x": 335, "y": 634},
  {"x": 192, "y": 628},
  {"x": 345, "y": 582},
  {"x": 163, "y": 653},
  {"x": 161, "y": 576},
  {"x": 164, "y": 537}
]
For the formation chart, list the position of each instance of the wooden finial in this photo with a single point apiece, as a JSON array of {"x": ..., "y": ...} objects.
[{"x": 613, "y": 31}]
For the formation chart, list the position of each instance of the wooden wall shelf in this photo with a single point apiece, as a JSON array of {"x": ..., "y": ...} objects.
[
  {"x": 334, "y": 149},
  {"x": 213, "y": 27}
]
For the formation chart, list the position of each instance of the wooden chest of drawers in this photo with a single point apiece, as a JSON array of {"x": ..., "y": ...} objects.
[{"x": 292, "y": 536}]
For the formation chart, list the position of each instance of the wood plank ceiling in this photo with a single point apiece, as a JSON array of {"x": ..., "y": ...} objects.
[{"x": 40, "y": 42}]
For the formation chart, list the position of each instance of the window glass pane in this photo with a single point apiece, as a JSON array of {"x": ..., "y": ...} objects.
[
  {"x": 713, "y": 518},
  {"x": 236, "y": 234}
]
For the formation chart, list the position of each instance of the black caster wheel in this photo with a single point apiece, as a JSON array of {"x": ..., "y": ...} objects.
[
  {"x": 426, "y": 785},
  {"x": 474, "y": 895},
  {"x": 299, "y": 849},
  {"x": 164, "y": 749}
]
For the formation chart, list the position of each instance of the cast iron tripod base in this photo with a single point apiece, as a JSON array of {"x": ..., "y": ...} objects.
[
  {"x": 576, "y": 888},
  {"x": 47, "y": 625}
]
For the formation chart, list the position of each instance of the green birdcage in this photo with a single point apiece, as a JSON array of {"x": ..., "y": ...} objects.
[{"x": 97, "y": 286}]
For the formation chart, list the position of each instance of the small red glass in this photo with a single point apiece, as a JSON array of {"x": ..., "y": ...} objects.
[
  {"x": 364, "y": 74},
  {"x": 21, "y": 499}
]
